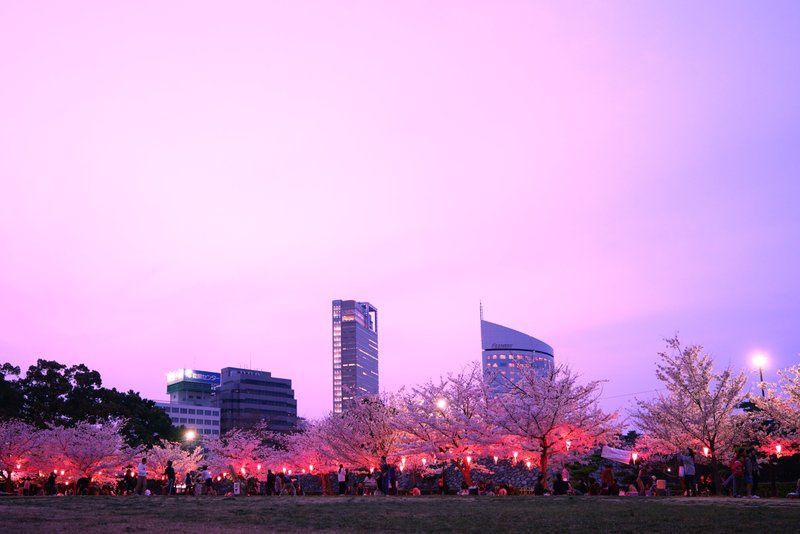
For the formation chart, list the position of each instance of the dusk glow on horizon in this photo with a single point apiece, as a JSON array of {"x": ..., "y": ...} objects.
[{"x": 190, "y": 185}]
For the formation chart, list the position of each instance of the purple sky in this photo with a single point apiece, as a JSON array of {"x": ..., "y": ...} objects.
[{"x": 190, "y": 184}]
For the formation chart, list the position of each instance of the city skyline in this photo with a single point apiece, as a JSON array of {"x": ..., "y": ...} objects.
[{"x": 190, "y": 187}]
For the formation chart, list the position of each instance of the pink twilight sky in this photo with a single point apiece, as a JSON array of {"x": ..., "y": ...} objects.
[{"x": 190, "y": 184}]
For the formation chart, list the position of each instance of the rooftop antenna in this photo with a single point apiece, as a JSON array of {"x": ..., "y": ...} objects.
[{"x": 481, "y": 303}]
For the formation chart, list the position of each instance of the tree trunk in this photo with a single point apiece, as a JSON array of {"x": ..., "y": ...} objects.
[
  {"x": 465, "y": 472},
  {"x": 715, "y": 472},
  {"x": 543, "y": 465}
]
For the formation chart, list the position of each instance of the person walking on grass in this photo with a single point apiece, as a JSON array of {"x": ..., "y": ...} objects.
[
  {"x": 342, "y": 477},
  {"x": 687, "y": 460},
  {"x": 169, "y": 472},
  {"x": 141, "y": 477}
]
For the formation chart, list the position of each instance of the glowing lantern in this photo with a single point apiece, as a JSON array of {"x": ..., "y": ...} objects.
[
  {"x": 528, "y": 463},
  {"x": 778, "y": 449},
  {"x": 62, "y": 472},
  {"x": 705, "y": 451},
  {"x": 515, "y": 456},
  {"x": 495, "y": 459},
  {"x": 424, "y": 461},
  {"x": 635, "y": 456},
  {"x": 403, "y": 461},
  {"x": 242, "y": 469},
  {"x": 310, "y": 467},
  {"x": 258, "y": 467},
  {"x": 304, "y": 471},
  {"x": 469, "y": 460},
  {"x": 290, "y": 471},
  {"x": 371, "y": 470},
  {"x": 19, "y": 466},
  {"x": 402, "y": 467},
  {"x": 284, "y": 470}
]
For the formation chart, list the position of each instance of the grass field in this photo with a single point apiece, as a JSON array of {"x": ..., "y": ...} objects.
[{"x": 405, "y": 514}]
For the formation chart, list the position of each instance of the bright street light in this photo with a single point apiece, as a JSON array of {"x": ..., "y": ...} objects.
[
  {"x": 441, "y": 404},
  {"x": 190, "y": 435}
]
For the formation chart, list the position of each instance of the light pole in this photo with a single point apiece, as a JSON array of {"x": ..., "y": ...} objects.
[{"x": 760, "y": 360}]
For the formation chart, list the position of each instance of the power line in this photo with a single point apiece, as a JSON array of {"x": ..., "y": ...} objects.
[{"x": 631, "y": 394}]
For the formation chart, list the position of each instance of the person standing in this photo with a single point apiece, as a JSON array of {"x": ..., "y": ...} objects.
[
  {"x": 169, "y": 472},
  {"x": 754, "y": 459},
  {"x": 208, "y": 481},
  {"x": 188, "y": 483},
  {"x": 342, "y": 477},
  {"x": 141, "y": 477},
  {"x": 270, "y": 482},
  {"x": 51, "y": 483},
  {"x": 750, "y": 467},
  {"x": 688, "y": 472},
  {"x": 384, "y": 476},
  {"x": 392, "y": 479}
]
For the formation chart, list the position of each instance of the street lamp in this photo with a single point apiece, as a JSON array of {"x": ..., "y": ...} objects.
[
  {"x": 190, "y": 435},
  {"x": 441, "y": 404},
  {"x": 760, "y": 360}
]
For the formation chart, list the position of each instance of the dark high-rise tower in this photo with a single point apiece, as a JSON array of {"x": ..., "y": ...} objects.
[
  {"x": 247, "y": 397},
  {"x": 355, "y": 352}
]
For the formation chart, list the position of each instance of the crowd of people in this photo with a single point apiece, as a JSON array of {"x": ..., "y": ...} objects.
[{"x": 742, "y": 482}]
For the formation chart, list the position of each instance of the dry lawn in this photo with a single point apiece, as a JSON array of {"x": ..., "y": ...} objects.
[{"x": 396, "y": 514}]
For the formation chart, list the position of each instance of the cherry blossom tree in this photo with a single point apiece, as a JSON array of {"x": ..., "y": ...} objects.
[
  {"x": 363, "y": 433},
  {"x": 776, "y": 417},
  {"x": 87, "y": 450},
  {"x": 183, "y": 460},
  {"x": 19, "y": 443},
  {"x": 697, "y": 408},
  {"x": 446, "y": 421},
  {"x": 241, "y": 453},
  {"x": 552, "y": 415},
  {"x": 310, "y": 449}
]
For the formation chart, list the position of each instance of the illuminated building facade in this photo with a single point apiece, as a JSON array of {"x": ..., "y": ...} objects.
[
  {"x": 355, "y": 352},
  {"x": 507, "y": 352},
  {"x": 192, "y": 401}
]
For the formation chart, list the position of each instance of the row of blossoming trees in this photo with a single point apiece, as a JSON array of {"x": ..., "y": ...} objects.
[{"x": 454, "y": 421}]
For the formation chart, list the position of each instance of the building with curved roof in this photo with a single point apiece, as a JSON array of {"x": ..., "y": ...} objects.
[{"x": 507, "y": 352}]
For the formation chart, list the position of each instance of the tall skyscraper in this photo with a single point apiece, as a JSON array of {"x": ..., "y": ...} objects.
[
  {"x": 355, "y": 352},
  {"x": 507, "y": 352}
]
